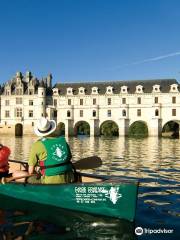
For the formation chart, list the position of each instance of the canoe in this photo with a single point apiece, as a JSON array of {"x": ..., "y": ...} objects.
[{"x": 96, "y": 195}]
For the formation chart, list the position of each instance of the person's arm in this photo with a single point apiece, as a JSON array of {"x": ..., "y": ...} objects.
[
  {"x": 32, "y": 159},
  {"x": 31, "y": 170}
]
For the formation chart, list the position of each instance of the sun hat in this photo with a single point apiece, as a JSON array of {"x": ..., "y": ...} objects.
[{"x": 44, "y": 127}]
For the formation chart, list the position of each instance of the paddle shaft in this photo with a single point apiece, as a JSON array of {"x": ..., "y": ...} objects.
[
  {"x": 84, "y": 163},
  {"x": 7, "y": 180}
]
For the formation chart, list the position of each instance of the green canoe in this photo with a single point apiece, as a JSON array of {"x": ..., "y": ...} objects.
[{"x": 108, "y": 197}]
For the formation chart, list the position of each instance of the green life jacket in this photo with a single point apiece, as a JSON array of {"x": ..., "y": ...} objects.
[{"x": 58, "y": 157}]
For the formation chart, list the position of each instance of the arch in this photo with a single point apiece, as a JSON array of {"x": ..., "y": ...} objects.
[
  {"x": 171, "y": 129},
  {"x": 81, "y": 128},
  {"x": 18, "y": 130},
  {"x": 109, "y": 128},
  {"x": 138, "y": 129},
  {"x": 60, "y": 129}
]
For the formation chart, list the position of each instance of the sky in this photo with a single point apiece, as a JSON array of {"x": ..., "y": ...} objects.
[{"x": 90, "y": 40}]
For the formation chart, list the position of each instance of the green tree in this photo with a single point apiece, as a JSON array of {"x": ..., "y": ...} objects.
[
  {"x": 109, "y": 129},
  {"x": 138, "y": 129},
  {"x": 83, "y": 128}
]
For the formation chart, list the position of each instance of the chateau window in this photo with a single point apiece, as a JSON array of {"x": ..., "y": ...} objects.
[
  {"x": 7, "y": 114},
  {"x": 55, "y": 102},
  {"x": 18, "y": 112},
  {"x": 32, "y": 124},
  {"x": 81, "y": 101},
  {"x": 173, "y": 112},
  {"x": 94, "y": 113},
  {"x": 69, "y": 91},
  {"x": 124, "y": 89},
  {"x": 81, "y": 113},
  {"x": 30, "y": 113},
  {"x": 94, "y": 101},
  {"x": 109, "y": 101},
  {"x": 123, "y": 100},
  {"x": 68, "y": 113},
  {"x": 156, "y": 100},
  {"x": 109, "y": 113},
  {"x": 19, "y": 91},
  {"x": 138, "y": 100},
  {"x": 156, "y": 112},
  {"x": 138, "y": 112},
  {"x": 124, "y": 113},
  {"x": 6, "y": 102},
  {"x": 31, "y": 91},
  {"x": 81, "y": 90},
  {"x": 55, "y": 91},
  {"x": 7, "y": 92},
  {"x": 69, "y": 101},
  {"x": 109, "y": 89},
  {"x": 139, "y": 89},
  {"x": 174, "y": 88},
  {"x": 30, "y": 102},
  {"x": 94, "y": 90},
  {"x": 156, "y": 88},
  {"x": 173, "y": 99},
  {"x": 55, "y": 114},
  {"x": 18, "y": 100}
]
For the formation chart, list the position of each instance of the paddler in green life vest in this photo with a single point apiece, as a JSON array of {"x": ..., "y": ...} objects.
[{"x": 51, "y": 154}]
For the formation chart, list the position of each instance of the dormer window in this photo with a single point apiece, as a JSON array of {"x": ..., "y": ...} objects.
[
  {"x": 69, "y": 91},
  {"x": 7, "y": 92},
  {"x": 124, "y": 89},
  {"x": 81, "y": 90},
  {"x": 156, "y": 88},
  {"x": 55, "y": 91},
  {"x": 31, "y": 91},
  {"x": 139, "y": 89},
  {"x": 174, "y": 88},
  {"x": 109, "y": 90},
  {"x": 19, "y": 91},
  {"x": 94, "y": 90}
]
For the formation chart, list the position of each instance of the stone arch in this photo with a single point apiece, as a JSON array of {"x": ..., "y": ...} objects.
[
  {"x": 19, "y": 130},
  {"x": 60, "y": 129},
  {"x": 171, "y": 129},
  {"x": 138, "y": 129},
  {"x": 82, "y": 128},
  {"x": 109, "y": 128}
]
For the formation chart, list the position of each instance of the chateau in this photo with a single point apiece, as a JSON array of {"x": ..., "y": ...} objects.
[{"x": 24, "y": 99}]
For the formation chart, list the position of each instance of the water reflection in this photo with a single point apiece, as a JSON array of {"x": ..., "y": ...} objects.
[{"x": 153, "y": 161}]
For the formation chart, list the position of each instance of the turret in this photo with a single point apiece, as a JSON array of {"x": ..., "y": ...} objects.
[
  {"x": 28, "y": 76},
  {"x": 18, "y": 77},
  {"x": 42, "y": 99},
  {"x": 49, "y": 81}
]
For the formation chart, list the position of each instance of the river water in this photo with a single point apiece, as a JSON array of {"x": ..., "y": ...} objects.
[{"x": 154, "y": 162}]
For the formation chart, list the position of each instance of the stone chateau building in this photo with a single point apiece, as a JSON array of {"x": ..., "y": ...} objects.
[{"x": 24, "y": 99}]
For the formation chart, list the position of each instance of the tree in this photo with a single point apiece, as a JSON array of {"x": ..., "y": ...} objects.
[
  {"x": 109, "y": 128},
  {"x": 138, "y": 129}
]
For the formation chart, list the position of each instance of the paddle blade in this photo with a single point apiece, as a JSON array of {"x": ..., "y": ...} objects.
[{"x": 88, "y": 163}]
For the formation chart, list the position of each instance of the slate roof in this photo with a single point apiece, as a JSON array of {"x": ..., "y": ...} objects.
[{"x": 147, "y": 86}]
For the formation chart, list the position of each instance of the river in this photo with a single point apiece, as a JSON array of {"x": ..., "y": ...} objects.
[{"x": 154, "y": 162}]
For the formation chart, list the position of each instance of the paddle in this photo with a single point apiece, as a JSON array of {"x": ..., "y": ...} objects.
[
  {"x": 5, "y": 180},
  {"x": 82, "y": 164}
]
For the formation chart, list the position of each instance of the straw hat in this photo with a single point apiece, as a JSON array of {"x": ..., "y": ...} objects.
[{"x": 44, "y": 127}]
